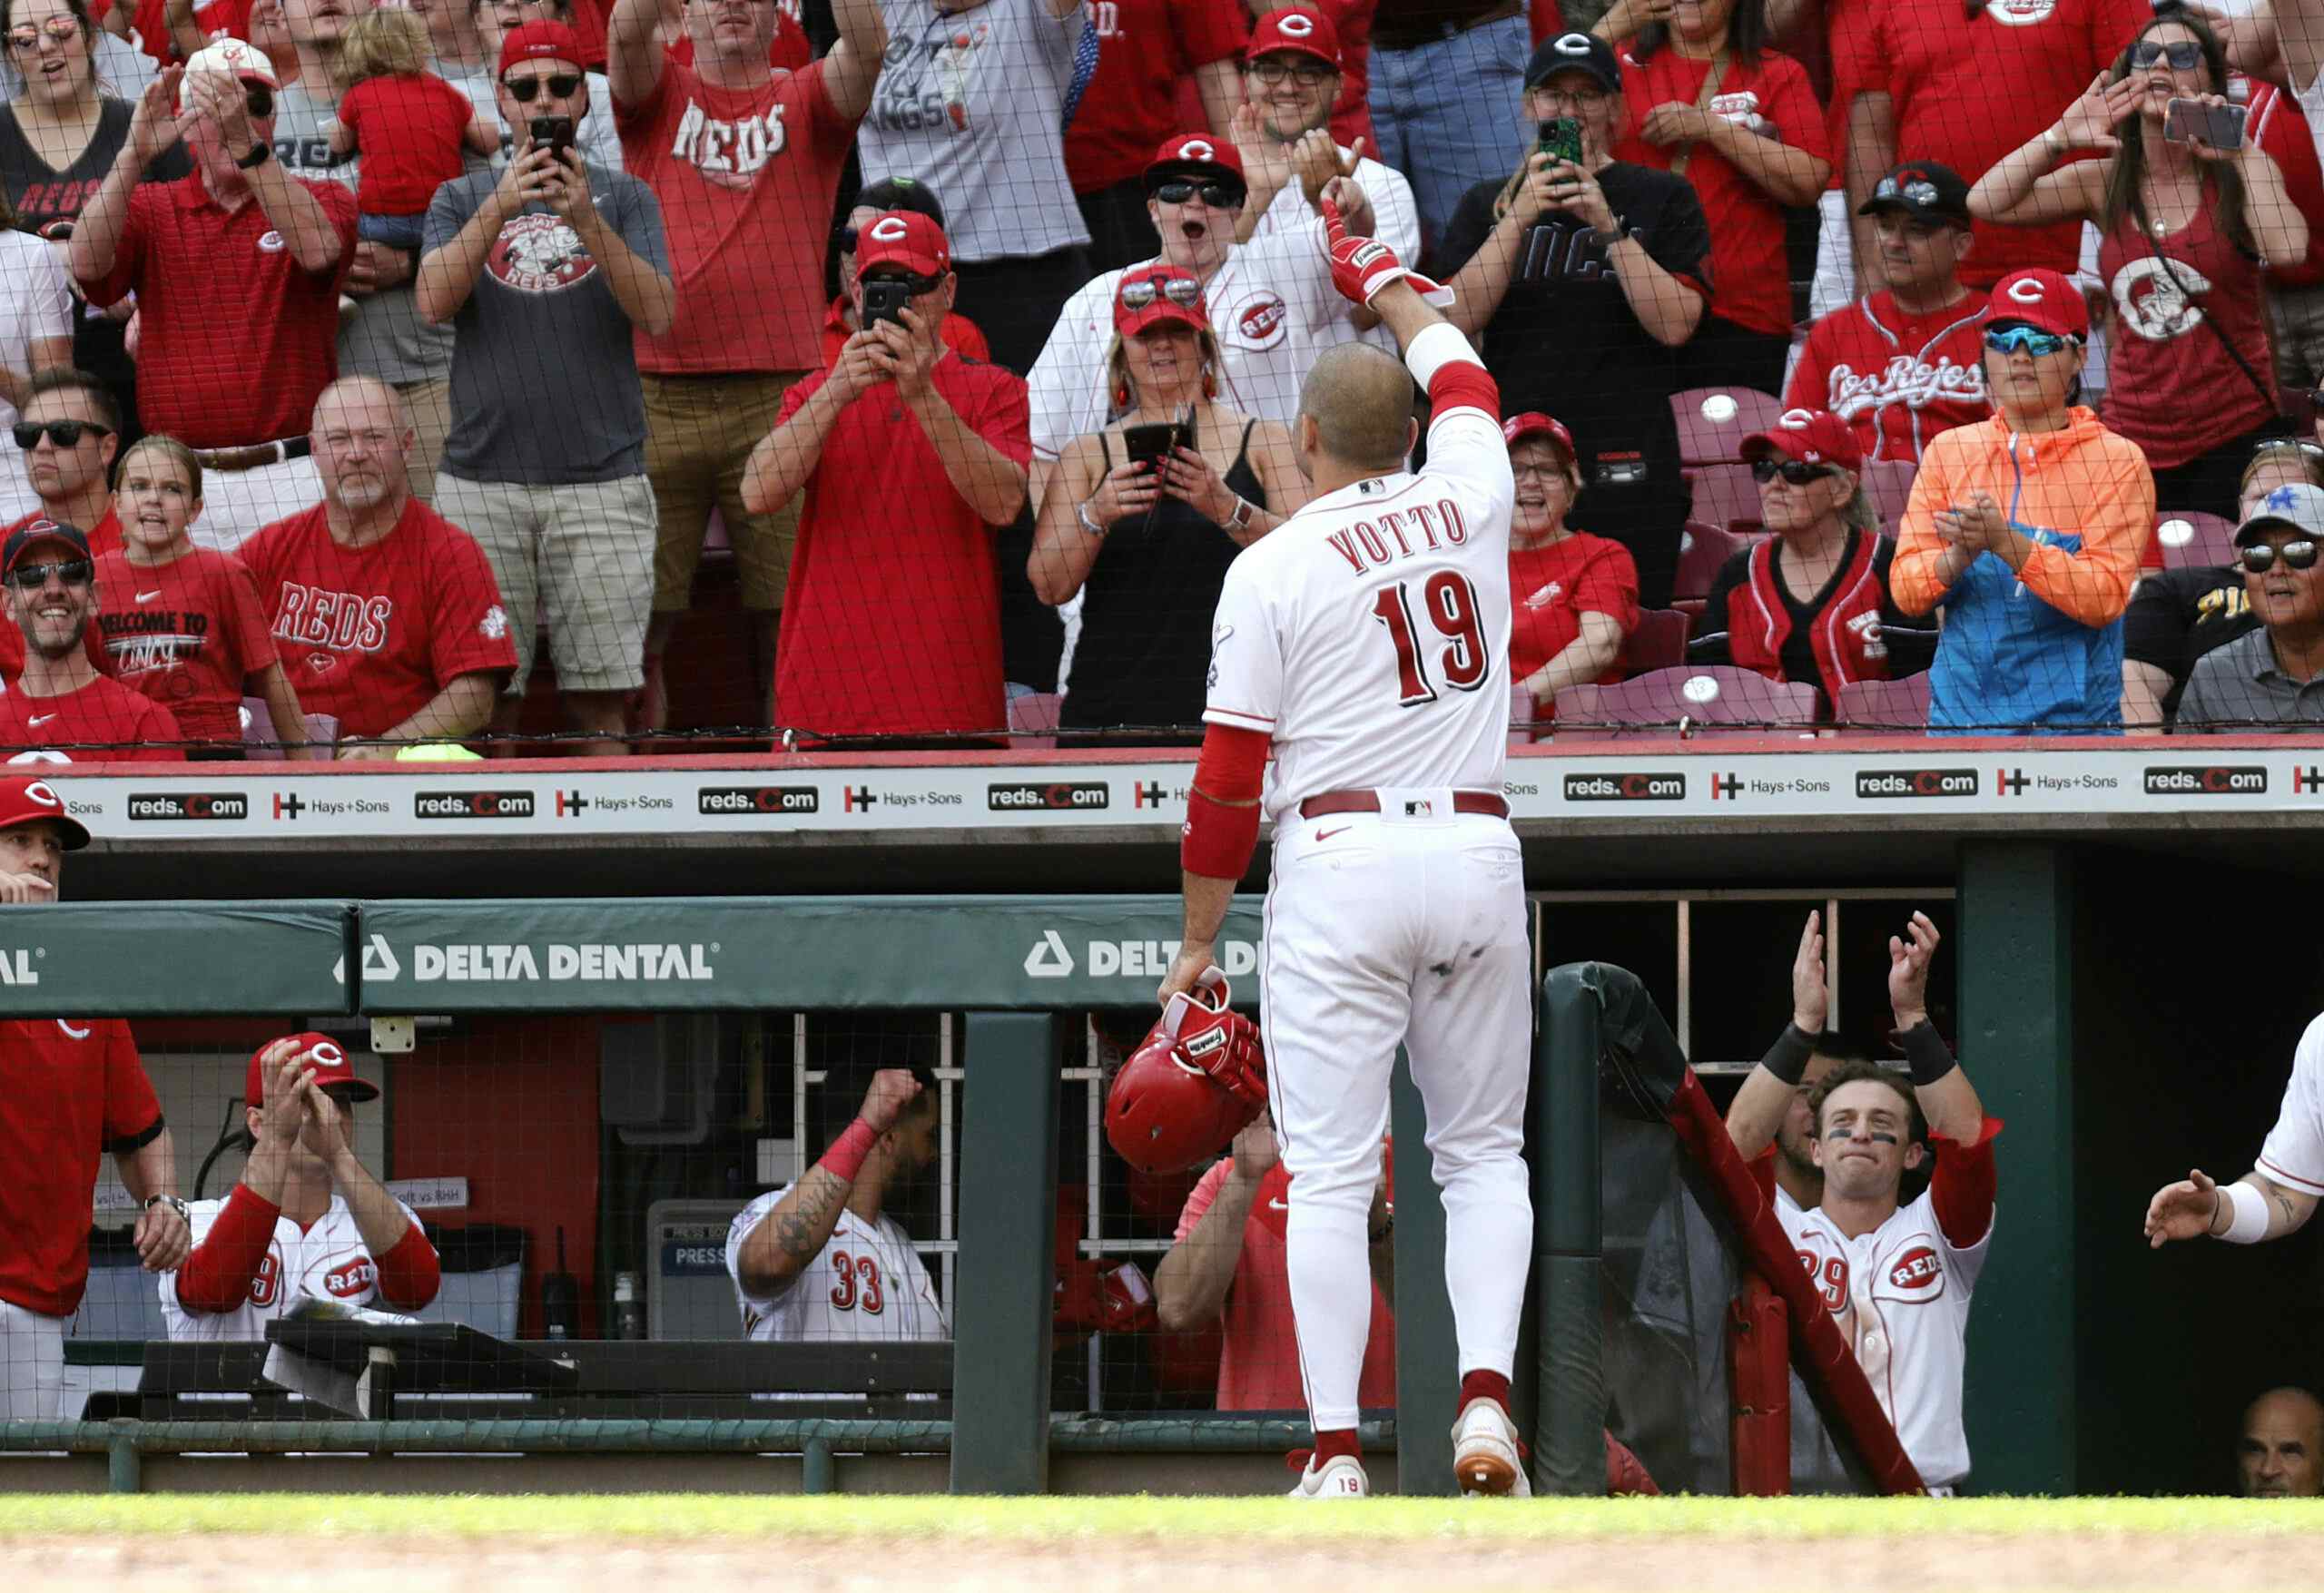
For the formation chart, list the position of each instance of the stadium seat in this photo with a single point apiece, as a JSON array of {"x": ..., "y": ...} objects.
[
  {"x": 1032, "y": 720},
  {"x": 1888, "y": 483},
  {"x": 1882, "y": 707},
  {"x": 1659, "y": 643},
  {"x": 1705, "y": 700},
  {"x": 1724, "y": 496},
  {"x": 258, "y": 725},
  {"x": 2191, "y": 539},
  {"x": 1714, "y": 421},
  {"x": 1703, "y": 548}
]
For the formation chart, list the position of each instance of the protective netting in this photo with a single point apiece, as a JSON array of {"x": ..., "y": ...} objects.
[{"x": 597, "y": 378}]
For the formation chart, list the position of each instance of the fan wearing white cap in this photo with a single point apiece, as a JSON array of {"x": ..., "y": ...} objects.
[{"x": 2271, "y": 678}]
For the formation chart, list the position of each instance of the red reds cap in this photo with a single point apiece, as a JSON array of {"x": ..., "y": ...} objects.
[
  {"x": 904, "y": 238},
  {"x": 2042, "y": 299},
  {"x": 1813, "y": 436},
  {"x": 1198, "y": 158},
  {"x": 42, "y": 532},
  {"x": 1152, "y": 294},
  {"x": 26, "y": 801},
  {"x": 539, "y": 41},
  {"x": 1533, "y": 423},
  {"x": 332, "y": 1068},
  {"x": 1301, "y": 29},
  {"x": 232, "y": 57}
]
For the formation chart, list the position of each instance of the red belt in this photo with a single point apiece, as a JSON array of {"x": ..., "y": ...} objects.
[{"x": 1368, "y": 801}]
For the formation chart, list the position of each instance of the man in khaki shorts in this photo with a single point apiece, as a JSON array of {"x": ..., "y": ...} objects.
[{"x": 545, "y": 269}]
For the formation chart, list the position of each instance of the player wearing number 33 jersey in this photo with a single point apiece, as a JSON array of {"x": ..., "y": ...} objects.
[
  {"x": 866, "y": 1283},
  {"x": 1366, "y": 640}
]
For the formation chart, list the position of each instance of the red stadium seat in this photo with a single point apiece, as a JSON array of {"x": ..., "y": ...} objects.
[
  {"x": 1882, "y": 707},
  {"x": 1705, "y": 700},
  {"x": 1032, "y": 719},
  {"x": 1703, "y": 548},
  {"x": 1726, "y": 496},
  {"x": 1888, "y": 483},
  {"x": 1714, "y": 421},
  {"x": 1659, "y": 643},
  {"x": 2193, "y": 540}
]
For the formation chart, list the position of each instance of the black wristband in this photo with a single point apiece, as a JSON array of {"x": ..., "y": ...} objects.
[
  {"x": 1925, "y": 1057},
  {"x": 260, "y": 152},
  {"x": 1788, "y": 1057}
]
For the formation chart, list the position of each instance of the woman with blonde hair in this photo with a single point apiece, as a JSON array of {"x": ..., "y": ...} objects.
[{"x": 1144, "y": 517}]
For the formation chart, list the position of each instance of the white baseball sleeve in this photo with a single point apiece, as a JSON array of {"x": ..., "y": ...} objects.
[{"x": 2293, "y": 1154}]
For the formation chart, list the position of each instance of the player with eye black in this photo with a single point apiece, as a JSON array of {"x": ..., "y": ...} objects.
[{"x": 1897, "y": 1276}]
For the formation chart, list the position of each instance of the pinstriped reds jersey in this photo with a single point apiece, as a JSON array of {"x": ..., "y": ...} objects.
[
  {"x": 1368, "y": 634},
  {"x": 1900, "y": 1295},
  {"x": 867, "y": 1282},
  {"x": 2294, "y": 1154},
  {"x": 330, "y": 1261}
]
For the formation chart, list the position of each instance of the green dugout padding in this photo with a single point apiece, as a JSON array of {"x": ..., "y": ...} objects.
[{"x": 140, "y": 959}]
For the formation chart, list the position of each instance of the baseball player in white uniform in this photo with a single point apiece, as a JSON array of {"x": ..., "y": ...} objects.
[
  {"x": 307, "y": 1218},
  {"x": 2274, "y": 1199},
  {"x": 817, "y": 1261},
  {"x": 1897, "y": 1278},
  {"x": 1365, "y": 640}
]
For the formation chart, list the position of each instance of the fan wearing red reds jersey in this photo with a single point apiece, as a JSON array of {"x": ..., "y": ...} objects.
[
  {"x": 307, "y": 1219},
  {"x": 69, "y": 1091},
  {"x": 60, "y": 700},
  {"x": 1896, "y": 1277},
  {"x": 1574, "y": 596}
]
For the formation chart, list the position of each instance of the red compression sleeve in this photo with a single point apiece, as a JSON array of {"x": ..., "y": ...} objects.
[
  {"x": 409, "y": 1272},
  {"x": 1964, "y": 1184},
  {"x": 1460, "y": 385},
  {"x": 1222, "y": 826},
  {"x": 216, "y": 1277}
]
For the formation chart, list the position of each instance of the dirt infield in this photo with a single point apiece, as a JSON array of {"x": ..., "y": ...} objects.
[{"x": 2117, "y": 1562}]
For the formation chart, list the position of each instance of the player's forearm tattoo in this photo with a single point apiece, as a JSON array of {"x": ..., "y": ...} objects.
[{"x": 801, "y": 1233}]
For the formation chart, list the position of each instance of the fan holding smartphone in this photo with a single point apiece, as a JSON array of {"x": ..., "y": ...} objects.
[
  {"x": 1145, "y": 515},
  {"x": 2189, "y": 213}
]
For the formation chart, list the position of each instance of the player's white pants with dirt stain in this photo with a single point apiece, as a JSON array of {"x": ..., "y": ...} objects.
[
  {"x": 1402, "y": 926},
  {"x": 31, "y": 1364}
]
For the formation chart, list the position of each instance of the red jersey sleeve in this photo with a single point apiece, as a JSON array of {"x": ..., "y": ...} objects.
[
  {"x": 468, "y": 628},
  {"x": 1205, "y": 1191},
  {"x": 1811, "y": 384},
  {"x": 831, "y": 131},
  {"x": 1862, "y": 48},
  {"x": 1962, "y": 1188},
  {"x": 218, "y": 1274},
  {"x": 132, "y": 1111},
  {"x": 128, "y": 259},
  {"x": 339, "y": 203},
  {"x": 1788, "y": 101},
  {"x": 1210, "y": 30},
  {"x": 355, "y": 106},
  {"x": 410, "y": 1271},
  {"x": 1608, "y": 586},
  {"x": 238, "y": 603},
  {"x": 795, "y": 397},
  {"x": 966, "y": 338}
]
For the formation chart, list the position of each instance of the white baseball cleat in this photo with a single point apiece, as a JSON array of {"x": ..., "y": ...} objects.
[
  {"x": 1341, "y": 1477},
  {"x": 1485, "y": 1454}
]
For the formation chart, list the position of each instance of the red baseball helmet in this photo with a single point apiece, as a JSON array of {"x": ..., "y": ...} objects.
[{"x": 1197, "y": 1081}]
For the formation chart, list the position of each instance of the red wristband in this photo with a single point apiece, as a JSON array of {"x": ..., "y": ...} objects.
[
  {"x": 1219, "y": 838},
  {"x": 844, "y": 1160}
]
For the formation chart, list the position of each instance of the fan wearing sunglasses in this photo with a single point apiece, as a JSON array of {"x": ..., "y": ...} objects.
[
  {"x": 2185, "y": 231},
  {"x": 59, "y": 699},
  {"x": 2028, "y": 528},
  {"x": 2272, "y": 678}
]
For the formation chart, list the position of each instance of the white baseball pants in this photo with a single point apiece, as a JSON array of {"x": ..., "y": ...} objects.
[{"x": 1405, "y": 926}]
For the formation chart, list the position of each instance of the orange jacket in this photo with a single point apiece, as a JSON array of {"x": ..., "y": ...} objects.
[{"x": 2084, "y": 481}]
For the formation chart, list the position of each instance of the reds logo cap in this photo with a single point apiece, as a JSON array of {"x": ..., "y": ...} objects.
[
  {"x": 906, "y": 239},
  {"x": 1813, "y": 436},
  {"x": 2042, "y": 299},
  {"x": 1152, "y": 294},
  {"x": 1533, "y": 423},
  {"x": 333, "y": 1069},
  {"x": 1584, "y": 52},
  {"x": 31, "y": 800},
  {"x": 539, "y": 41},
  {"x": 42, "y": 532},
  {"x": 1197, "y": 157},
  {"x": 1299, "y": 30}
]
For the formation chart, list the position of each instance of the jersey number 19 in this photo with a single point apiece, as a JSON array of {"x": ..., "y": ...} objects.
[{"x": 1449, "y": 603}]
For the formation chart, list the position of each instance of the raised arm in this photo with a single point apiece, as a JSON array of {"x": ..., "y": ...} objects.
[
  {"x": 2299, "y": 36},
  {"x": 795, "y": 1230},
  {"x": 2026, "y": 188},
  {"x": 1758, "y": 1112},
  {"x": 1871, "y": 151},
  {"x": 2276, "y": 225},
  {"x": 105, "y": 220},
  {"x": 1190, "y": 1286},
  {"x": 851, "y": 69},
  {"x": 634, "y": 59},
  {"x": 308, "y": 231},
  {"x": 1948, "y": 1100},
  {"x": 787, "y": 456}
]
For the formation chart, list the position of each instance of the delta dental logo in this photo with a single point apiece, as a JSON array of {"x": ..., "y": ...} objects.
[
  {"x": 1917, "y": 783},
  {"x": 1083, "y": 797},
  {"x": 1050, "y": 959},
  {"x": 1624, "y": 788},
  {"x": 771, "y": 801},
  {"x": 472, "y": 804},
  {"x": 517, "y": 963},
  {"x": 2207, "y": 780},
  {"x": 194, "y": 806}
]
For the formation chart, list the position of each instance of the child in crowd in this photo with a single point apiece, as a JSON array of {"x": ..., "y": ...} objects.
[{"x": 409, "y": 126}]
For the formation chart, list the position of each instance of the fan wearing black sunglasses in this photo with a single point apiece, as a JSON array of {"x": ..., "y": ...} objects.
[
  {"x": 58, "y": 699},
  {"x": 2273, "y": 678}
]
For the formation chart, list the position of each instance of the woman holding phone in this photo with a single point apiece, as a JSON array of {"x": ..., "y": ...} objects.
[
  {"x": 1153, "y": 510},
  {"x": 2186, "y": 226}
]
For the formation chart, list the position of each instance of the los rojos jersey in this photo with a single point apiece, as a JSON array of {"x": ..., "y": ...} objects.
[{"x": 867, "y": 1282}]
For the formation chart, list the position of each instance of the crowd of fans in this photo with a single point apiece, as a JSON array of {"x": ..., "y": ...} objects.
[{"x": 357, "y": 355}]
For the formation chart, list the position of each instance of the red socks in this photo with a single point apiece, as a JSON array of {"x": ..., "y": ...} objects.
[
  {"x": 1330, "y": 1445},
  {"x": 1483, "y": 1385}
]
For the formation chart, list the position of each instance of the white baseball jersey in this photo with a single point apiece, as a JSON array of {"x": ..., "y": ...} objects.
[
  {"x": 1271, "y": 304},
  {"x": 329, "y": 1260},
  {"x": 2294, "y": 1154},
  {"x": 867, "y": 1282},
  {"x": 1900, "y": 1294},
  {"x": 1368, "y": 634}
]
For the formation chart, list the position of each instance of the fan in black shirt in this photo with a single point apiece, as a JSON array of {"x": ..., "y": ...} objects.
[{"x": 1580, "y": 280}]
